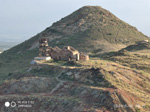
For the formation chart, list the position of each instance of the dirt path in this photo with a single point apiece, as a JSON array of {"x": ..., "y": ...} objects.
[{"x": 61, "y": 82}]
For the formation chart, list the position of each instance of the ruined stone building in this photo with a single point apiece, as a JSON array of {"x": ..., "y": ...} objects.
[
  {"x": 43, "y": 47},
  {"x": 67, "y": 53}
]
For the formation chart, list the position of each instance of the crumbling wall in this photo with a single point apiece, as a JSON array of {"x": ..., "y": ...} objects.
[{"x": 84, "y": 57}]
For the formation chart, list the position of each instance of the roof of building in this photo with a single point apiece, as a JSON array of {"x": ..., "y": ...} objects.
[
  {"x": 56, "y": 49},
  {"x": 71, "y": 49},
  {"x": 83, "y": 54}
]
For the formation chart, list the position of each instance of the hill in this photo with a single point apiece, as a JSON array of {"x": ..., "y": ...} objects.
[
  {"x": 115, "y": 79},
  {"x": 142, "y": 45},
  {"x": 90, "y": 29},
  {"x": 95, "y": 85},
  {"x": 134, "y": 56}
]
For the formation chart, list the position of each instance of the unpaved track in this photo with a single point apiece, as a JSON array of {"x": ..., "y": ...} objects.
[{"x": 61, "y": 82}]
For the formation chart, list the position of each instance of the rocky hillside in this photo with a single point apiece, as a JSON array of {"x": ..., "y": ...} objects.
[
  {"x": 108, "y": 87},
  {"x": 134, "y": 56}
]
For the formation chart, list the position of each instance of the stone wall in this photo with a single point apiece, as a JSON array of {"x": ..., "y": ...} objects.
[{"x": 84, "y": 57}]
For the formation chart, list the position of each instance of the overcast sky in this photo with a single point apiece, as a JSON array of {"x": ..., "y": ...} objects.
[{"x": 22, "y": 19}]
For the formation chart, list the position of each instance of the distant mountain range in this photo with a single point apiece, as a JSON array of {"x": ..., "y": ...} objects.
[
  {"x": 1, "y": 50},
  {"x": 8, "y": 43}
]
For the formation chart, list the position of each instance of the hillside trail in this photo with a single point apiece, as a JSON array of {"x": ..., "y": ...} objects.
[{"x": 61, "y": 82}]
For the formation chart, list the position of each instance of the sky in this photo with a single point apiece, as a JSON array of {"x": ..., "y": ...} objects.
[{"x": 22, "y": 19}]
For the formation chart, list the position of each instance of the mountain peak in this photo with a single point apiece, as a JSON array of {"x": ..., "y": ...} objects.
[
  {"x": 89, "y": 29},
  {"x": 87, "y": 13},
  {"x": 91, "y": 8},
  {"x": 94, "y": 10}
]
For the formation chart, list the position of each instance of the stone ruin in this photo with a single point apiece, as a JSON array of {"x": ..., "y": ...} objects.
[
  {"x": 68, "y": 53},
  {"x": 43, "y": 47}
]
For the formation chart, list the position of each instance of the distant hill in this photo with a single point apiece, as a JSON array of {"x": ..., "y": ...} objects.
[
  {"x": 134, "y": 56},
  {"x": 90, "y": 29},
  {"x": 7, "y": 45},
  {"x": 1, "y": 50},
  {"x": 138, "y": 46}
]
